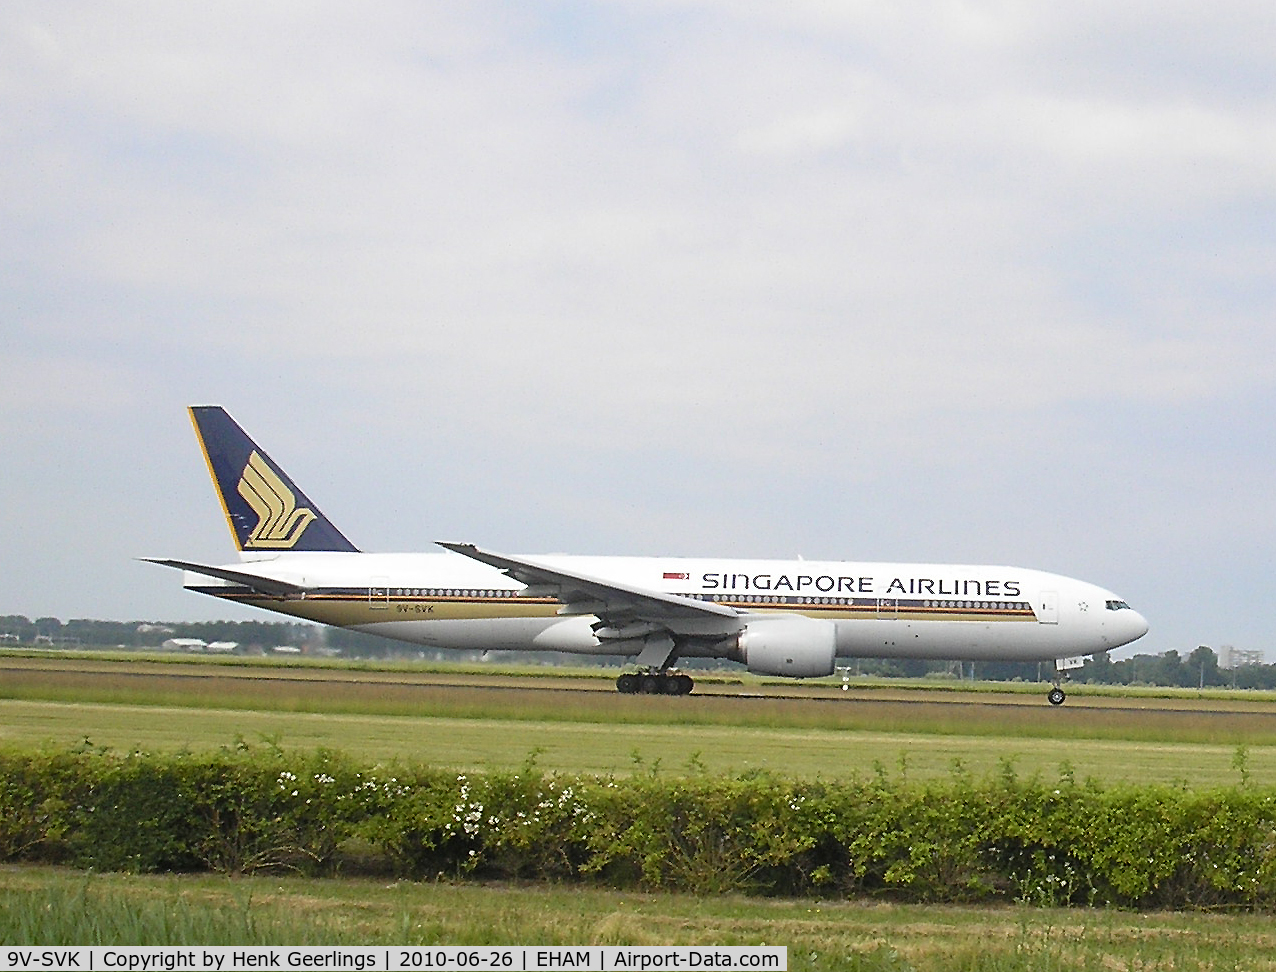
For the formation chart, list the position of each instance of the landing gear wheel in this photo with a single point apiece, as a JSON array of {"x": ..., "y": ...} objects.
[
  {"x": 654, "y": 683},
  {"x": 1056, "y": 696}
]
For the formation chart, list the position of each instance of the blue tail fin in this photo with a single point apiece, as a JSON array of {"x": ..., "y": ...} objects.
[{"x": 265, "y": 509}]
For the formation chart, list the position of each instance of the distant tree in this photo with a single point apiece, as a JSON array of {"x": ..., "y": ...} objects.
[
  {"x": 1007, "y": 671},
  {"x": 48, "y": 627},
  {"x": 1254, "y": 676},
  {"x": 87, "y": 631},
  {"x": 1170, "y": 670},
  {"x": 1100, "y": 669},
  {"x": 356, "y": 644},
  {"x": 1203, "y": 663},
  {"x": 19, "y": 626}
]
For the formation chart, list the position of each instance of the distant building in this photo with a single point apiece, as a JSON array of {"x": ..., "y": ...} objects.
[
  {"x": 1229, "y": 657},
  {"x": 286, "y": 650},
  {"x": 222, "y": 647},
  {"x": 184, "y": 644}
]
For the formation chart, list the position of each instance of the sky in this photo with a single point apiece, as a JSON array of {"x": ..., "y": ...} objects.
[{"x": 955, "y": 282}]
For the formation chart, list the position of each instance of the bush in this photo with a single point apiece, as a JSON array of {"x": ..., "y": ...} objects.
[
  {"x": 229, "y": 812},
  {"x": 943, "y": 840},
  {"x": 700, "y": 835},
  {"x": 134, "y": 814},
  {"x": 521, "y": 825},
  {"x": 275, "y": 810},
  {"x": 37, "y": 793},
  {"x": 418, "y": 822}
]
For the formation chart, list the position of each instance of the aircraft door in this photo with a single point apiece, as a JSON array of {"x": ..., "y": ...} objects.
[
  {"x": 888, "y": 607},
  {"x": 1047, "y": 607},
  {"x": 379, "y": 594}
]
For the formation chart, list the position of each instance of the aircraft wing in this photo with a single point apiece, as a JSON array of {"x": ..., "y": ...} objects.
[
  {"x": 614, "y": 603},
  {"x": 265, "y": 585}
]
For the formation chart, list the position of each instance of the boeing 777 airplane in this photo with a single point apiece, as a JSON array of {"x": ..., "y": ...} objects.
[{"x": 776, "y": 617}]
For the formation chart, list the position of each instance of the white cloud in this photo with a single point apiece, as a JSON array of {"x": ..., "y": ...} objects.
[{"x": 870, "y": 241}]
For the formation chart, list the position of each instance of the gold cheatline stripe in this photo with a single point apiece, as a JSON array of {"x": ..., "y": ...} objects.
[{"x": 878, "y": 613}]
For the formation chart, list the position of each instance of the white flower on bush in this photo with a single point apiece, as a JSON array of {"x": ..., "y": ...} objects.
[{"x": 390, "y": 787}]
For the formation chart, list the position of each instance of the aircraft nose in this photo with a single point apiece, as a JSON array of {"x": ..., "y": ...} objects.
[
  {"x": 1133, "y": 626},
  {"x": 1140, "y": 625}
]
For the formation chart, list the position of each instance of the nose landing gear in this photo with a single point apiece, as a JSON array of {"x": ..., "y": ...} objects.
[{"x": 1062, "y": 666}]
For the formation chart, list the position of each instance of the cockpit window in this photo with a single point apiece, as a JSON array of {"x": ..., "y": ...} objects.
[{"x": 1119, "y": 606}]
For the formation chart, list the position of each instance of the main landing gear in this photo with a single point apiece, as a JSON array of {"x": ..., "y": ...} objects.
[
  {"x": 654, "y": 683},
  {"x": 654, "y": 676},
  {"x": 1056, "y": 696}
]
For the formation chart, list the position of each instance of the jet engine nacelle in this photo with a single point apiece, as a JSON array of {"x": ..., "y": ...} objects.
[{"x": 798, "y": 647}]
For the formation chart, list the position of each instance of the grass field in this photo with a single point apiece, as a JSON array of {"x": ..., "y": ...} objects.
[
  {"x": 476, "y": 744},
  {"x": 51, "y": 907},
  {"x": 469, "y": 722}
]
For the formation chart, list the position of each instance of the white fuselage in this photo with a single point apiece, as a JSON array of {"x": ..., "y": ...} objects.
[{"x": 879, "y": 610}]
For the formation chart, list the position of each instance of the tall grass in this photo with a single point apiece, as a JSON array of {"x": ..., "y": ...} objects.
[
  {"x": 47, "y": 906},
  {"x": 63, "y": 914}
]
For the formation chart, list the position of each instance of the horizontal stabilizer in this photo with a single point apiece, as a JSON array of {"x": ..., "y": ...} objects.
[{"x": 266, "y": 585}]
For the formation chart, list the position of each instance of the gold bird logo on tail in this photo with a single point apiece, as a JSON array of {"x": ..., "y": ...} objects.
[{"x": 280, "y": 522}]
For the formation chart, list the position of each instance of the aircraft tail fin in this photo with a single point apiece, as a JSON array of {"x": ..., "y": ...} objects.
[{"x": 265, "y": 509}]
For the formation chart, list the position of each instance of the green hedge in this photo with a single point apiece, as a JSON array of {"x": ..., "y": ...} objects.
[{"x": 957, "y": 839}]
